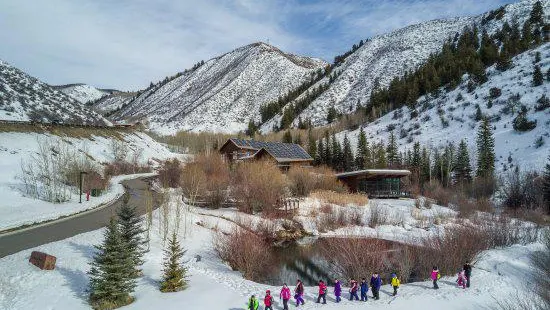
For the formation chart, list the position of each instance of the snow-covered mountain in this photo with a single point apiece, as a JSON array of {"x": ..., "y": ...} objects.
[
  {"x": 111, "y": 103},
  {"x": 391, "y": 55},
  {"x": 222, "y": 94},
  {"x": 24, "y": 98},
  {"x": 82, "y": 92},
  {"x": 451, "y": 116}
]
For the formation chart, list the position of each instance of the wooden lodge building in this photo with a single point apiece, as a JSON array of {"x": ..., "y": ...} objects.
[
  {"x": 285, "y": 155},
  {"x": 376, "y": 183}
]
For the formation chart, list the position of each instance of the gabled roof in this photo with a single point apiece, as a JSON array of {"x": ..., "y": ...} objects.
[{"x": 282, "y": 152}]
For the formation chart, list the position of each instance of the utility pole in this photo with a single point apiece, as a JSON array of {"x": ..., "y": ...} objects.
[{"x": 82, "y": 173}]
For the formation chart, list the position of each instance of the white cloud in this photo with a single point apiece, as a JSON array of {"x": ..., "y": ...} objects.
[{"x": 127, "y": 43}]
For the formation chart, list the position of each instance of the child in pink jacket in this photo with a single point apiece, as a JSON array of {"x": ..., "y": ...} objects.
[
  {"x": 435, "y": 276},
  {"x": 461, "y": 281}
]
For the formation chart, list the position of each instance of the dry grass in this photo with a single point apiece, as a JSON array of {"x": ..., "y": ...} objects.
[
  {"x": 341, "y": 199},
  {"x": 378, "y": 216}
]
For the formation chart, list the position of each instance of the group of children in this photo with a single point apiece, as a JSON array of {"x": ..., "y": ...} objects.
[
  {"x": 354, "y": 287},
  {"x": 463, "y": 276}
]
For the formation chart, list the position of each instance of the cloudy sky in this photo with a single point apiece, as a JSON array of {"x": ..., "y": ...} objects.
[{"x": 125, "y": 44}]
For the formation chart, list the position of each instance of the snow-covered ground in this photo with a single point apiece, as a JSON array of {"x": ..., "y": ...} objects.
[
  {"x": 497, "y": 275},
  {"x": 83, "y": 93},
  {"x": 15, "y": 147},
  {"x": 458, "y": 109}
]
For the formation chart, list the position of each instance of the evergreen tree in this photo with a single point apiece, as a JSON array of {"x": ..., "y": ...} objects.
[
  {"x": 546, "y": 184},
  {"x": 321, "y": 160},
  {"x": 521, "y": 123},
  {"x": 479, "y": 114},
  {"x": 362, "y": 145},
  {"x": 132, "y": 233},
  {"x": 537, "y": 13},
  {"x": 504, "y": 61},
  {"x": 538, "y": 78},
  {"x": 328, "y": 150},
  {"x": 112, "y": 271},
  {"x": 462, "y": 169},
  {"x": 287, "y": 137},
  {"x": 251, "y": 129},
  {"x": 392, "y": 152},
  {"x": 380, "y": 159},
  {"x": 175, "y": 275},
  {"x": 485, "y": 151},
  {"x": 337, "y": 154},
  {"x": 348, "y": 162},
  {"x": 312, "y": 147},
  {"x": 332, "y": 114},
  {"x": 416, "y": 156}
]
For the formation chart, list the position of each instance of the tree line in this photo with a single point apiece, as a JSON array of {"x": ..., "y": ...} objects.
[{"x": 467, "y": 53}]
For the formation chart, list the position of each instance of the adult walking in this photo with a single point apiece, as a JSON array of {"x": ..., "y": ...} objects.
[
  {"x": 322, "y": 292},
  {"x": 364, "y": 289},
  {"x": 435, "y": 276},
  {"x": 337, "y": 290},
  {"x": 353, "y": 288},
  {"x": 468, "y": 273},
  {"x": 285, "y": 296},
  {"x": 375, "y": 284},
  {"x": 299, "y": 293}
]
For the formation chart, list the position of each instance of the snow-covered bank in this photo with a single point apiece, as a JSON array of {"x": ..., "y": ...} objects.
[
  {"x": 15, "y": 147},
  {"x": 213, "y": 285}
]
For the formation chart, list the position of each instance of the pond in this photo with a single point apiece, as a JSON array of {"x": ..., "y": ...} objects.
[{"x": 328, "y": 259}]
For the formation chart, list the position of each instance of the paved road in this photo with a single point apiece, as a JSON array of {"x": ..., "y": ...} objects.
[{"x": 57, "y": 230}]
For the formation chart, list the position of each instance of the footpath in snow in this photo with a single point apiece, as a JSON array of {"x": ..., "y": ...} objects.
[{"x": 498, "y": 274}]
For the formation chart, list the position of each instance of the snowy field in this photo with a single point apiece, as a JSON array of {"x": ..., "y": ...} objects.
[
  {"x": 17, "y": 210},
  {"x": 497, "y": 275}
]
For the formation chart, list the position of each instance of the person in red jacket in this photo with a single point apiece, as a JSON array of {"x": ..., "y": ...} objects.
[
  {"x": 322, "y": 292},
  {"x": 285, "y": 295},
  {"x": 268, "y": 300}
]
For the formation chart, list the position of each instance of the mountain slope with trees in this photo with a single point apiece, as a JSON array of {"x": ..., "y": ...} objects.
[{"x": 25, "y": 98}]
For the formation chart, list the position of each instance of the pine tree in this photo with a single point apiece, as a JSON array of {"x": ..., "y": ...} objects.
[
  {"x": 362, "y": 146},
  {"x": 392, "y": 153},
  {"x": 504, "y": 61},
  {"x": 462, "y": 169},
  {"x": 332, "y": 114},
  {"x": 348, "y": 164},
  {"x": 287, "y": 137},
  {"x": 538, "y": 78},
  {"x": 132, "y": 233},
  {"x": 337, "y": 154},
  {"x": 321, "y": 160},
  {"x": 312, "y": 146},
  {"x": 380, "y": 158},
  {"x": 546, "y": 184},
  {"x": 537, "y": 13},
  {"x": 175, "y": 275},
  {"x": 112, "y": 271},
  {"x": 485, "y": 151},
  {"x": 328, "y": 150}
]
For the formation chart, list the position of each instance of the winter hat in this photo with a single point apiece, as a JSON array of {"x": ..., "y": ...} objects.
[
  {"x": 268, "y": 292},
  {"x": 393, "y": 275}
]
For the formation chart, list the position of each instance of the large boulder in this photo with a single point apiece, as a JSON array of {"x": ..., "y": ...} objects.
[{"x": 42, "y": 260}]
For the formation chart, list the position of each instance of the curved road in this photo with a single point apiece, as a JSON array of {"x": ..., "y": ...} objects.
[{"x": 16, "y": 241}]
